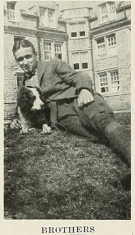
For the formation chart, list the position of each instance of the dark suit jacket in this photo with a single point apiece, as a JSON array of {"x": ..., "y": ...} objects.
[{"x": 58, "y": 80}]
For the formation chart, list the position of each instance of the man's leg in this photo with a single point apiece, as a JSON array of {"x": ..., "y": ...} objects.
[{"x": 99, "y": 116}]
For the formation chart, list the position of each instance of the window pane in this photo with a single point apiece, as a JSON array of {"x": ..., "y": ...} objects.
[
  {"x": 112, "y": 11},
  {"x": 42, "y": 16},
  {"x": 101, "y": 48},
  {"x": 48, "y": 55},
  {"x": 104, "y": 17},
  {"x": 76, "y": 66},
  {"x": 57, "y": 47},
  {"x": 114, "y": 81},
  {"x": 82, "y": 33},
  {"x": 20, "y": 77},
  {"x": 59, "y": 56},
  {"x": 74, "y": 34},
  {"x": 103, "y": 82},
  {"x": 50, "y": 17},
  {"x": 111, "y": 40},
  {"x": 47, "y": 46},
  {"x": 84, "y": 65},
  {"x": 73, "y": 30},
  {"x": 84, "y": 59}
]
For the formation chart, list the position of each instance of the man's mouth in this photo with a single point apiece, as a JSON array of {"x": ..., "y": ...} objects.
[{"x": 27, "y": 67}]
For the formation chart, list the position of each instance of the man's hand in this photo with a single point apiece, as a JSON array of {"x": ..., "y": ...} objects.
[
  {"x": 15, "y": 124},
  {"x": 85, "y": 97}
]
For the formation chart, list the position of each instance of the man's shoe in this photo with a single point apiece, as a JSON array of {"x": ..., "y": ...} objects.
[{"x": 126, "y": 180}]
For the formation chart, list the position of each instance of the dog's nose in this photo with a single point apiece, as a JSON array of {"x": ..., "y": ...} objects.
[{"x": 42, "y": 105}]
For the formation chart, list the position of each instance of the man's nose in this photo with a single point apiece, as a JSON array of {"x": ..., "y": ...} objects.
[{"x": 25, "y": 61}]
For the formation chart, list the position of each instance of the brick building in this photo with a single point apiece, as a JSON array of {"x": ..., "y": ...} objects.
[
  {"x": 99, "y": 44},
  {"x": 93, "y": 38},
  {"x": 111, "y": 34}
]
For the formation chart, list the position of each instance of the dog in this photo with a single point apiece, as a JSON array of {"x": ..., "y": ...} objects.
[{"x": 32, "y": 110}]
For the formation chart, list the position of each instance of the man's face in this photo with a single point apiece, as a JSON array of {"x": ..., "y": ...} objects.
[{"x": 26, "y": 59}]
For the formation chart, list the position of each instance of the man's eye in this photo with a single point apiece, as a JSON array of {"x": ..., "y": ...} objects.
[
  {"x": 28, "y": 56},
  {"x": 20, "y": 59}
]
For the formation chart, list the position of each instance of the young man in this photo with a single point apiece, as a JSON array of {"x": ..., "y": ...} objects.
[{"x": 74, "y": 104}]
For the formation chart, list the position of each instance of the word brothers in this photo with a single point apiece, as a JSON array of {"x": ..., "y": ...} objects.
[{"x": 75, "y": 229}]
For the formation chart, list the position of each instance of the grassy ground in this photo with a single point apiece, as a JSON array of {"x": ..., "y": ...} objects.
[{"x": 61, "y": 176}]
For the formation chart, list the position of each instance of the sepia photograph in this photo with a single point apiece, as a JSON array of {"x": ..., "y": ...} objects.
[{"x": 67, "y": 111}]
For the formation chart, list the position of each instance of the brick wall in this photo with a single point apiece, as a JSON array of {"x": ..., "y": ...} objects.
[{"x": 121, "y": 61}]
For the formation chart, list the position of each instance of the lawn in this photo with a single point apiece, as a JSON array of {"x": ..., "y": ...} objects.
[{"x": 63, "y": 176}]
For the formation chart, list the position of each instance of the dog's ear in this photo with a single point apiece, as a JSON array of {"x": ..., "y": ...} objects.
[{"x": 22, "y": 97}]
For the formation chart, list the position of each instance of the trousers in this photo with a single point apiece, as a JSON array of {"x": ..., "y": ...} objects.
[{"x": 97, "y": 122}]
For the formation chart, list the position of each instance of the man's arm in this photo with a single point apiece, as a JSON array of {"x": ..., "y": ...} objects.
[{"x": 79, "y": 80}]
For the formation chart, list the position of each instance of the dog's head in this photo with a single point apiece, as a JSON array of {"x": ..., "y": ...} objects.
[{"x": 30, "y": 98}]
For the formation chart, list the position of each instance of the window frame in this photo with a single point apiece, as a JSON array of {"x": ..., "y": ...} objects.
[
  {"x": 46, "y": 22},
  {"x": 76, "y": 33},
  {"x": 107, "y": 46},
  {"x": 52, "y": 51},
  {"x": 80, "y": 61},
  {"x": 11, "y": 11},
  {"x": 109, "y": 82},
  {"x": 19, "y": 78},
  {"x": 108, "y": 12}
]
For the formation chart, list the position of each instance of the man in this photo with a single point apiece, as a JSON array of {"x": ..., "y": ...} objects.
[{"x": 74, "y": 104}]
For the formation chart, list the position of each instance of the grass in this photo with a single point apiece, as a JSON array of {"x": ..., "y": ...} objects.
[{"x": 60, "y": 176}]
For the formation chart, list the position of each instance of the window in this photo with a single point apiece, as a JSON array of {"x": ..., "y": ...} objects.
[
  {"x": 111, "y": 40},
  {"x": 43, "y": 16},
  {"x": 50, "y": 18},
  {"x": 19, "y": 78},
  {"x": 104, "y": 17},
  {"x": 84, "y": 60},
  {"x": 111, "y": 47},
  {"x": 103, "y": 82},
  {"x": 112, "y": 11},
  {"x": 46, "y": 17},
  {"x": 101, "y": 51},
  {"x": 109, "y": 81},
  {"x": 11, "y": 10},
  {"x": 48, "y": 50},
  {"x": 81, "y": 28},
  {"x": 73, "y": 29},
  {"x": 108, "y": 12},
  {"x": 77, "y": 29},
  {"x": 114, "y": 81},
  {"x": 58, "y": 53},
  {"x": 52, "y": 49},
  {"x": 106, "y": 46},
  {"x": 80, "y": 60},
  {"x": 76, "y": 61}
]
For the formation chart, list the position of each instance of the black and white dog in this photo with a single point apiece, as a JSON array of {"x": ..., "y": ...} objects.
[{"x": 32, "y": 110}]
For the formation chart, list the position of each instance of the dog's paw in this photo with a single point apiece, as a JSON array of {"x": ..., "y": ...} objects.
[
  {"x": 32, "y": 129},
  {"x": 24, "y": 130},
  {"x": 46, "y": 129}
]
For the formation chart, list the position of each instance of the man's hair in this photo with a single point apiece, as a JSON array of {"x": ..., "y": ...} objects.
[{"x": 22, "y": 43}]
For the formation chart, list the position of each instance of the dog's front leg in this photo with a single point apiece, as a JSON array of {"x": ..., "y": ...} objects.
[
  {"x": 25, "y": 124},
  {"x": 46, "y": 129}
]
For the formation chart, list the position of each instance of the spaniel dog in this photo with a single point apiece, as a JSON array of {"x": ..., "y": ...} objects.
[{"x": 32, "y": 110}]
